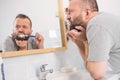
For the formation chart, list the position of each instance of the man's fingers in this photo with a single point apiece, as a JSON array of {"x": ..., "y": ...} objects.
[{"x": 80, "y": 28}]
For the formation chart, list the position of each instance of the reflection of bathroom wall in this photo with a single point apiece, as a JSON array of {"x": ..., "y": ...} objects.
[{"x": 52, "y": 38}]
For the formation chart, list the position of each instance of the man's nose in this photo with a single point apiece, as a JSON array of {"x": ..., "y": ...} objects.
[
  {"x": 21, "y": 29},
  {"x": 68, "y": 17}
]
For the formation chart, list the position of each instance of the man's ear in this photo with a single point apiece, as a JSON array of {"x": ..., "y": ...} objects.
[{"x": 87, "y": 13}]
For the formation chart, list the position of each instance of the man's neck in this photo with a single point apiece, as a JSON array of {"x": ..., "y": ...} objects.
[{"x": 21, "y": 49}]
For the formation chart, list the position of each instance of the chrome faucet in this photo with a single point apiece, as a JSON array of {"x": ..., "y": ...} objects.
[
  {"x": 44, "y": 72},
  {"x": 43, "y": 67}
]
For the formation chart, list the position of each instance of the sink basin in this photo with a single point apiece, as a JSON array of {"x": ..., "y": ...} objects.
[{"x": 75, "y": 75}]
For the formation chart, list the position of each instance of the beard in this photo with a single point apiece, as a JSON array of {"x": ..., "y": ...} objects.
[
  {"x": 76, "y": 22},
  {"x": 19, "y": 36},
  {"x": 72, "y": 26}
]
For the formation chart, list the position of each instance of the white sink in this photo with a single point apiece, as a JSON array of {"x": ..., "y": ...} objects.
[{"x": 76, "y": 75}]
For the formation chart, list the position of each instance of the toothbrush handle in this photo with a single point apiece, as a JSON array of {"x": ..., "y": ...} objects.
[{"x": 31, "y": 36}]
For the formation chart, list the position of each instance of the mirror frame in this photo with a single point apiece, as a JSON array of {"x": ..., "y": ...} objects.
[{"x": 46, "y": 50}]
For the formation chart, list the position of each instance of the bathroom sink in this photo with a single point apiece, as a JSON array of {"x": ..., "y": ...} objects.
[{"x": 74, "y": 75}]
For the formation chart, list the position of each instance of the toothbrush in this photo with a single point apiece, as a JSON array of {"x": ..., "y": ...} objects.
[
  {"x": 23, "y": 36},
  {"x": 31, "y": 36}
]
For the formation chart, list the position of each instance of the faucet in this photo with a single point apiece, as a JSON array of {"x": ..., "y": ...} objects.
[
  {"x": 44, "y": 72},
  {"x": 43, "y": 67}
]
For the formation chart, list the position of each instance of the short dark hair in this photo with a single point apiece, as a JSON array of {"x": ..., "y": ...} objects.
[
  {"x": 92, "y": 3},
  {"x": 23, "y": 16}
]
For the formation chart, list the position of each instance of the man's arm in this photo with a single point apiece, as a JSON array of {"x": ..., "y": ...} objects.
[{"x": 97, "y": 69}]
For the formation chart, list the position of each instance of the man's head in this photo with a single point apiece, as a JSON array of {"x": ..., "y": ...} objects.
[
  {"x": 22, "y": 25},
  {"x": 81, "y": 11}
]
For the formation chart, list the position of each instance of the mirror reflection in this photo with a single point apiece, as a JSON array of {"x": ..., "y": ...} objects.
[
  {"x": 21, "y": 39},
  {"x": 29, "y": 24}
]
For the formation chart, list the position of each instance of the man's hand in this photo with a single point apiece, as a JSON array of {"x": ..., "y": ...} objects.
[
  {"x": 39, "y": 40},
  {"x": 77, "y": 35}
]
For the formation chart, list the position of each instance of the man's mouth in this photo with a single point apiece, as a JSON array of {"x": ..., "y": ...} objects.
[{"x": 21, "y": 36}]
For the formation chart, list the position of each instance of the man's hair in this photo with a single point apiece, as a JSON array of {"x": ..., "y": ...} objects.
[
  {"x": 91, "y": 3},
  {"x": 23, "y": 16}
]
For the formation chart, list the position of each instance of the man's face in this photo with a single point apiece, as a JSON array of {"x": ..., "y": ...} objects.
[
  {"x": 22, "y": 26},
  {"x": 75, "y": 14}
]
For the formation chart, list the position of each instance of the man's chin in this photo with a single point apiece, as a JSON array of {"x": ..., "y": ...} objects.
[{"x": 73, "y": 26}]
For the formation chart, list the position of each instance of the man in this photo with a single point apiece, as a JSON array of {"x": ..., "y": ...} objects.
[
  {"x": 22, "y": 26},
  {"x": 97, "y": 36}
]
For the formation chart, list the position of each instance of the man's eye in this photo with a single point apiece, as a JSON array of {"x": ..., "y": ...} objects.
[
  {"x": 24, "y": 27},
  {"x": 17, "y": 26}
]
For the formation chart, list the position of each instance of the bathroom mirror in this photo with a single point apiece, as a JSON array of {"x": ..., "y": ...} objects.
[{"x": 47, "y": 19}]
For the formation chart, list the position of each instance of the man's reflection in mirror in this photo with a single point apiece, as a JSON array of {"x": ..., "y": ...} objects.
[
  {"x": 67, "y": 23},
  {"x": 21, "y": 38}
]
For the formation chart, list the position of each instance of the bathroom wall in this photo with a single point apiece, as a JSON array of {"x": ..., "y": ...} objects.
[
  {"x": 110, "y": 6},
  {"x": 28, "y": 67}
]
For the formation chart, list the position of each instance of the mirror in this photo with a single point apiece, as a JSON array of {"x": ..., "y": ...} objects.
[{"x": 47, "y": 18}]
